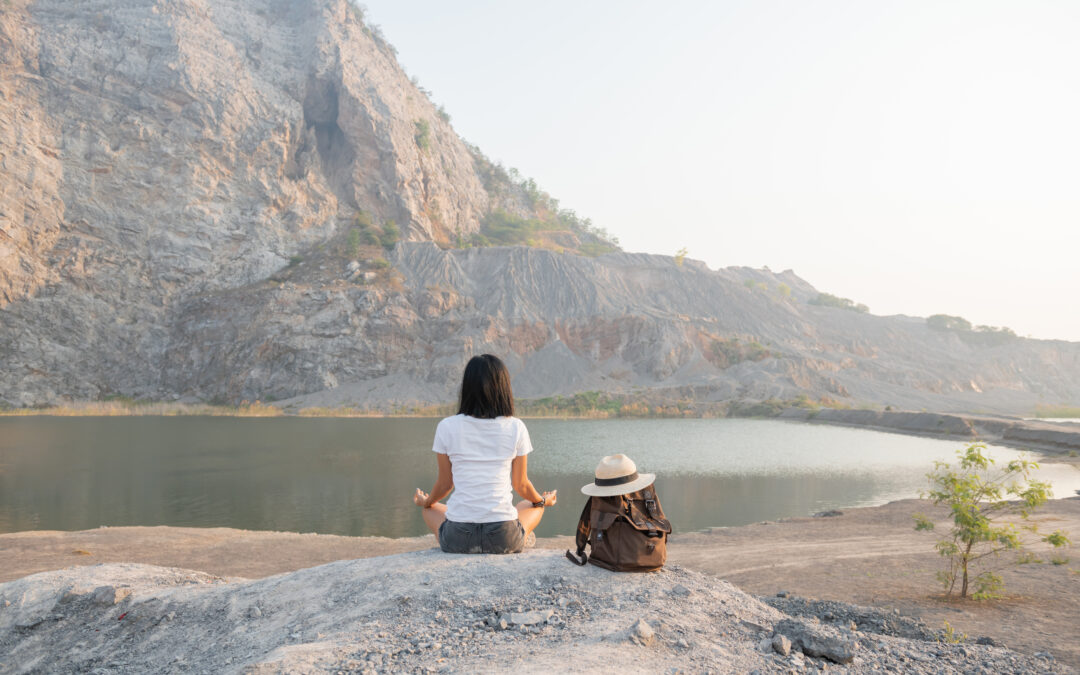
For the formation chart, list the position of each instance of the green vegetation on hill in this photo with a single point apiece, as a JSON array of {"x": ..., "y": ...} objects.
[
  {"x": 1053, "y": 411},
  {"x": 830, "y": 300},
  {"x": 529, "y": 216},
  {"x": 602, "y": 405},
  {"x": 423, "y": 134},
  {"x": 725, "y": 352},
  {"x": 364, "y": 232},
  {"x": 978, "y": 335}
]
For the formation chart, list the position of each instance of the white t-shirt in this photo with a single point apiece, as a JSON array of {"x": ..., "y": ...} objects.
[{"x": 480, "y": 454}]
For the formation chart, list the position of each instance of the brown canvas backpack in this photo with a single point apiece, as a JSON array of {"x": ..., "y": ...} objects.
[{"x": 627, "y": 533}]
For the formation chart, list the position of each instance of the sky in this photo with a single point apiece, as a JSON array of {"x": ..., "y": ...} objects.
[{"x": 919, "y": 157}]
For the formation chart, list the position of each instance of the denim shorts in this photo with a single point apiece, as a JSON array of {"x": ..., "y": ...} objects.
[{"x": 507, "y": 536}]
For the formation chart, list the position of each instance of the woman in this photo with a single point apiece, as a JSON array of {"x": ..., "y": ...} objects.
[{"x": 482, "y": 452}]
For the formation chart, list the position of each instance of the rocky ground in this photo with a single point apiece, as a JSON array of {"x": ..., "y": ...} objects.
[
  {"x": 865, "y": 567},
  {"x": 427, "y": 611}
]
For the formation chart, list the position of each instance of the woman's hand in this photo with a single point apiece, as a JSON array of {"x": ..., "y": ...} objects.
[
  {"x": 549, "y": 497},
  {"x": 420, "y": 498}
]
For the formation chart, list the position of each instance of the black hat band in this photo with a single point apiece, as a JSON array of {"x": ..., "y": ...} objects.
[{"x": 621, "y": 480}]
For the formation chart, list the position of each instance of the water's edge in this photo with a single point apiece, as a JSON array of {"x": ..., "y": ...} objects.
[{"x": 1052, "y": 439}]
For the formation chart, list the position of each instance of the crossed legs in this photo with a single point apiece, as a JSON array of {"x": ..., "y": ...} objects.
[{"x": 528, "y": 514}]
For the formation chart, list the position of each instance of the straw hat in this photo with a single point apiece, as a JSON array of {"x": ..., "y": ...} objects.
[{"x": 617, "y": 475}]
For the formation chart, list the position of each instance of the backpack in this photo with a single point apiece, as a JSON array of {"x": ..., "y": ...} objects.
[{"x": 627, "y": 533}]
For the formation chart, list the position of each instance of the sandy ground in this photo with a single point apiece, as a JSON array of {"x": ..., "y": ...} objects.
[{"x": 866, "y": 556}]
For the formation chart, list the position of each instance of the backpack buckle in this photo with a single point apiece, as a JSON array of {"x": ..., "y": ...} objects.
[{"x": 650, "y": 504}]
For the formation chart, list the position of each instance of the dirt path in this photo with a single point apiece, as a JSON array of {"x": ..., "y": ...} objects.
[
  {"x": 874, "y": 557},
  {"x": 865, "y": 556}
]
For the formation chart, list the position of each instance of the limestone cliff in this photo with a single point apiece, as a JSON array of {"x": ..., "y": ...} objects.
[{"x": 195, "y": 200}]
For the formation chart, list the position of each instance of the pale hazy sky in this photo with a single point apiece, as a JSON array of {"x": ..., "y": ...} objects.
[{"x": 919, "y": 157}]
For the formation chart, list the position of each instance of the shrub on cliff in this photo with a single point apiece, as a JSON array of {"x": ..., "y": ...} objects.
[
  {"x": 830, "y": 300},
  {"x": 979, "y": 496},
  {"x": 423, "y": 134},
  {"x": 391, "y": 233},
  {"x": 947, "y": 322}
]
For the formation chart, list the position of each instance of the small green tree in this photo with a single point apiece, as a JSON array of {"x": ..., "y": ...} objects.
[
  {"x": 680, "y": 256},
  {"x": 978, "y": 496},
  {"x": 390, "y": 234},
  {"x": 423, "y": 134},
  {"x": 352, "y": 242}
]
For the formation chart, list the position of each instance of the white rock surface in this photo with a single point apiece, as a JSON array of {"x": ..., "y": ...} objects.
[{"x": 378, "y": 614}]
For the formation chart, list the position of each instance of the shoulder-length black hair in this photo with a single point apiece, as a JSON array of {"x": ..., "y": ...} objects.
[{"x": 485, "y": 389}]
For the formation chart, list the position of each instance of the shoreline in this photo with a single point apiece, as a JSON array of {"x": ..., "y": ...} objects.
[{"x": 1053, "y": 441}]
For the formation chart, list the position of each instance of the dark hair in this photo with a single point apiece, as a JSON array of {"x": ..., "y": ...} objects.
[{"x": 485, "y": 389}]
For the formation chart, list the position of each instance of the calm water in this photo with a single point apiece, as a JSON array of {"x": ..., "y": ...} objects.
[{"x": 356, "y": 476}]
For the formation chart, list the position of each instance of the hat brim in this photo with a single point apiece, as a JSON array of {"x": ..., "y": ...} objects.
[{"x": 594, "y": 490}]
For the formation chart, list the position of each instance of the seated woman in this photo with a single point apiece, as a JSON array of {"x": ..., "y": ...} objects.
[{"x": 482, "y": 453}]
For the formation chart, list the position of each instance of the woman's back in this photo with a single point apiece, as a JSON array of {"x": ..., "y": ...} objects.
[{"x": 481, "y": 452}]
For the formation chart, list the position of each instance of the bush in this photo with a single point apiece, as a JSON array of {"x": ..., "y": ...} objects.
[
  {"x": 729, "y": 351},
  {"x": 947, "y": 322},
  {"x": 506, "y": 229},
  {"x": 978, "y": 498},
  {"x": 680, "y": 256},
  {"x": 390, "y": 234},
  {"x": 830, "y": 300},
  {"x": 352, "y": 242},
  {"x": 443, "y": 115},
  {"x": 979, "y": 335},
  {"x": 295, "y": 260},
  {"x": 422, "y": 135},
  {"x": 380, "y": 263}
]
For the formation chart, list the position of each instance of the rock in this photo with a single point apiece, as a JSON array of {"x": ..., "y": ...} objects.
[
  {"x": 529, "y": 618},
  {"x": 781, "y": 645},
  {"x": 255, "y": 613},
  {"x": 831, "y": 513},
  {"x": 642, "y": 633},
  {"x": 109, "y": 595},
  {"x": 782, "y": 594},
  {"x": 764, "y": 645},
  {"x": 816, "y": 642},
  {"x": 984, "y": 640},
  {"x": 680, "y": 591}
]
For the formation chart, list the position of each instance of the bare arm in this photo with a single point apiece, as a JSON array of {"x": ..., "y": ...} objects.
[
  {"x": 519, "y": 478},
  {"x": 444, "y": 483}
]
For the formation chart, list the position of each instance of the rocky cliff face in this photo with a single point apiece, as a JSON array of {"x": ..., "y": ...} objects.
[{"x": 179, "y": 183}]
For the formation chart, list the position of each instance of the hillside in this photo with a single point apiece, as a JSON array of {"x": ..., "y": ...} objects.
[{"x": 239, "y": 200}]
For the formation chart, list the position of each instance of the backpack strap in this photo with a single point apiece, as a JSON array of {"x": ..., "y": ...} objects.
[{"x": 583, "y": 528}]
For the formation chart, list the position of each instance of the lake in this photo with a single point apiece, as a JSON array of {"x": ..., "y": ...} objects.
[{"x": 356, "y": 476}]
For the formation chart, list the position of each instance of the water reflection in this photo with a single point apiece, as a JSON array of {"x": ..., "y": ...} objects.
[{"x": 355, "y": 477}]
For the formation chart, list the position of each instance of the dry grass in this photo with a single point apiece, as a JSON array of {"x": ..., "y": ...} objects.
[
  {"x": 1052, "y": 411},
  {"x": 133, "y": 409}
]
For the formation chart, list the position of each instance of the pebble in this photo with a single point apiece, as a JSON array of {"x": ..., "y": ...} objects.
[
  {"x": 255, "y": 612},
  {"x": 642, "y": 633},
  {"x": 781, "y": 645}
]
